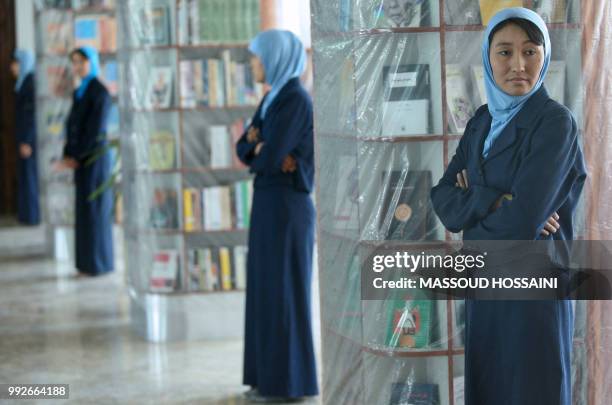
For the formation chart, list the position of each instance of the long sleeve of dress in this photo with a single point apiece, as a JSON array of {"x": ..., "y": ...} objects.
[
  {"x": 460, "y": 209},
  {"x": 286, "y": 129},
  {"x": 545, "y": 179},
  {"x": 245, "y": 149},
  {"x": 92, "y": 133},
  {"x": 26, "y": 119}
]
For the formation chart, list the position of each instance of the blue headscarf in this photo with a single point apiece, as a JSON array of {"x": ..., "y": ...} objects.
[
  {"x": 27, "y": 64},
  {"x": 94, "y": 68},
  {"x": 283, "y": 57},
  {"x": 502, "y": 106}
]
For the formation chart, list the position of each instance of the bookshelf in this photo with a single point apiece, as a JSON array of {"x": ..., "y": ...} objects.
[
  {"x": 358, "y": 150},
  {"x": 59, "y": 29},
  {"x": 185, "y": 96}
]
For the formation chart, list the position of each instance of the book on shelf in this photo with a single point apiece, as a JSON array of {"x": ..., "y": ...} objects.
[
  {"x": 164, "y": 208},
  {"x": 192, "y": 209},
  {"x": 220, "y": 147},
  {"x": 217, "y": 268},
  {"x": 110, "y": 76},
  {"x": 218, "y": 21},
  {"x": 152, "y": 24},
  {"x": 95, "y": 4},
  {"x": 478, "y": 82},
  {"x": 57, "y": 34},
  {"x": 488, "y": 8},
  {"x": 218, "y": 83},
  {"x": 555, "y": 80},
  {"x": 162, "y": 150},
  {"x": 98, "y": 31},
  {"x": 459, "y": 390},
  {"x": 346, "y": 207},
  {"x": 459, "y": 104},
  {"x": 54, "y": 117},
  {"x": 410, "y": 323},
  {"x": 218, "y": 208},
  {"x": 400, "y": 14},
  {"x": 112, "y": 121},
  {"x": 551, "y": 11},
  {"x": 410, "y": 393},
  {"x": 406, "y": 210},
  {"x": 59, "y": 80},
  {"x": 159, "y": 87},
  {"x": 462, "y": 12},
  {"x": 405, "y": 109},
  {"x": 164, "y": 273}
]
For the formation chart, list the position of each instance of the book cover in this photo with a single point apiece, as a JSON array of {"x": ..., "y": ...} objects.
[
  {"x": 226, "y": 207},
  {"x": 189, "y": 219},
  {"x": 194, "y": 272},
  {"x": 159, "y": 88},
  {"x": 555, "y": 80},
  {"x": 57, "y": 32},
  {"x": 162, "y": 150},
  {"x": 112, "y": 123},
  {"x": 59, "y": 81},
  {"x": 215, "y": 269},
  {"x": 108, "y": 32},
  {"x": 402, "y": 13},
  {"x": 478, "y": 82},
  {"x": 405, "y": 109},
  {"x": 240, "y": 263},
  {"x": 211, "y": 200},
  {"x": 346, "y": 207},
  {"x": 111, "y": 77},
  {"x": 87, "y": 31},
  {"x": 406, "y": 209},
  {"x": 152, "y": 24},
  {"x": 459, "y": 105},
  {"x": 226, "y": 269},
  {"x": 205, "y": 265},
  {"x": 462, "y": 12},
  {"x": 409, "y": 323},
  {"x": 188, "y": 84},
  {"x": 220, "y": 149},
  {"x": 488, "y": 8},
  {"x": 164, "y": 209},
  {"x": 164, "y": 271},
  {"x": 551, "y": 11},
  {"x": 414, "y": 394}
]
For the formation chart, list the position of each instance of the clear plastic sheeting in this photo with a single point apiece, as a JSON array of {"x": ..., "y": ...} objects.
[
  {"x": 395, "y": 82},
  {"x": 186, "y": 96}
]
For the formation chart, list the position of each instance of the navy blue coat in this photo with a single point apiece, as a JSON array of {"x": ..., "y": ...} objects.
[
  {"x": 85, "y": 135},
  {"x": 278, "y": 349},
  {"x": 28, "y": 208},
  {"x": 516, "y": 352}
]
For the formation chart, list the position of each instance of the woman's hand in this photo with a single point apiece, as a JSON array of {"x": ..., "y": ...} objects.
[
  {"x": 65, "y": 164},
  {"x": 289, "y": 164},
  {"x": 25, "y": 150},
  {"x": 258, "y": 148},
  {"x": 552, "y": 225},
  {"x": 462, "y": 180},
  {"x": 252, "y": 135}
]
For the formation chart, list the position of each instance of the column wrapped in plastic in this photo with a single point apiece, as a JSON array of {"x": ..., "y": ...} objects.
[
  {"x": 187, "y": 95},
  {"x": 379, "y": 152}
]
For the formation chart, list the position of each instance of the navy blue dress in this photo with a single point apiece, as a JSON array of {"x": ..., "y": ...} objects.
[
  {"x": 516, "y": 352},
  {"x": 85, "y": 135},
  {"x": 28, "y": 208},
  {"x": 278, "y": 350}
]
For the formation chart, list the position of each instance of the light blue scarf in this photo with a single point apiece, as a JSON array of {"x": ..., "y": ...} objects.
[
  {"x": 94, "y": 69},
  {"x": 27, "y": 64},
  {"x": 502, "y": 106},
  {"x": 283, "y": 57}
]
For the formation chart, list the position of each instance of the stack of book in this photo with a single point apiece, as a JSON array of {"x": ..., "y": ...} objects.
[
  {"x": 218, "y": 83},
  {"x": 224, "y": 21},
  {"x": 218, "y": 208},
  {"x": 217, "y": 268}
]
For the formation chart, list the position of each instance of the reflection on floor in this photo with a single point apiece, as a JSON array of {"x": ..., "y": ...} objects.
[{"x": 57, "y": 329}]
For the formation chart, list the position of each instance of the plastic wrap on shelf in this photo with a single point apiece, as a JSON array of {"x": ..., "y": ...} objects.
[
  {"x": 186, "y": 95},
  {"x": 395, "y": 84}
]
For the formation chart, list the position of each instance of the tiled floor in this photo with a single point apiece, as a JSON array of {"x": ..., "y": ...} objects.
[{"x": 56, "y": 329}]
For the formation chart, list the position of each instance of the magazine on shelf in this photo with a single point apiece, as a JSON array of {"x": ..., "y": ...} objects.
[
  {"x": 459, "y": 104},
  {"x": 488, "y": 8},
  {"x": 551, "y": 11},
  {"x": 406, "y": 209},
  {"x": 164, "y": 208},
  {"x": 478, "y": 83},
  {"x": 152, "y": 24},
  {"x": 462, "y": 12},
  {"x": 555, "y": 80},
  {"x": 220, "y": 147},
  {"x": 162, "y": 150},
  {"x": 192, "y": 209},
  {"x": 166, "y": 265},
  {"x": 159, "y": 87},
  {"x": 414, "y": 394},
  {"x": 402, "y": 13},
  {"x": 57, "y": 32},
  {"x": 405, "y": 109},
  {"x": 410, "y": 323}
]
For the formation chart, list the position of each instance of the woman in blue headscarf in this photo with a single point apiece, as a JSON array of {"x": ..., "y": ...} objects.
[
  {"x": 517, "y": 174},
  {"x": 23, "y": 65},
  {"x": 278, "y": 147},
  {"x": 85, "y": 138}
]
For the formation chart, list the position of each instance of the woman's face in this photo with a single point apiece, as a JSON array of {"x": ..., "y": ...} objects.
[
  {"x": 258, "y": 70},
  {"x": 15, "y": 69},
  {"x": 80, "y": 65},
  {"x": 515, "y": 60}
]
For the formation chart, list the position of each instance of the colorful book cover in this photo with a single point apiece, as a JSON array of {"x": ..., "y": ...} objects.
[
  {"x": 226, "y": 207},
  {"x": 111, "y": 77},
  {"x": 240, "y": 257},
  {"x": 188, "y": 84},
  {"x": 226, "y": 269},
  {"x": 193, "y": 270},
  {"x": 159, "y": 87},
  {"x": 188, "y": 210},
  {"x": 164, "y": 271},
  {"x": 409, "y": 323},
  {"x": 205, "y": 265},
  {"x": 414, "y": 394},
  {"x": 87, "y": 31},
  {"x": 108, "y": 31},
  {"x": 162, "y": 150},
  {"x": 164, "y": 209},
  {"x": 488, "y": 8}
]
